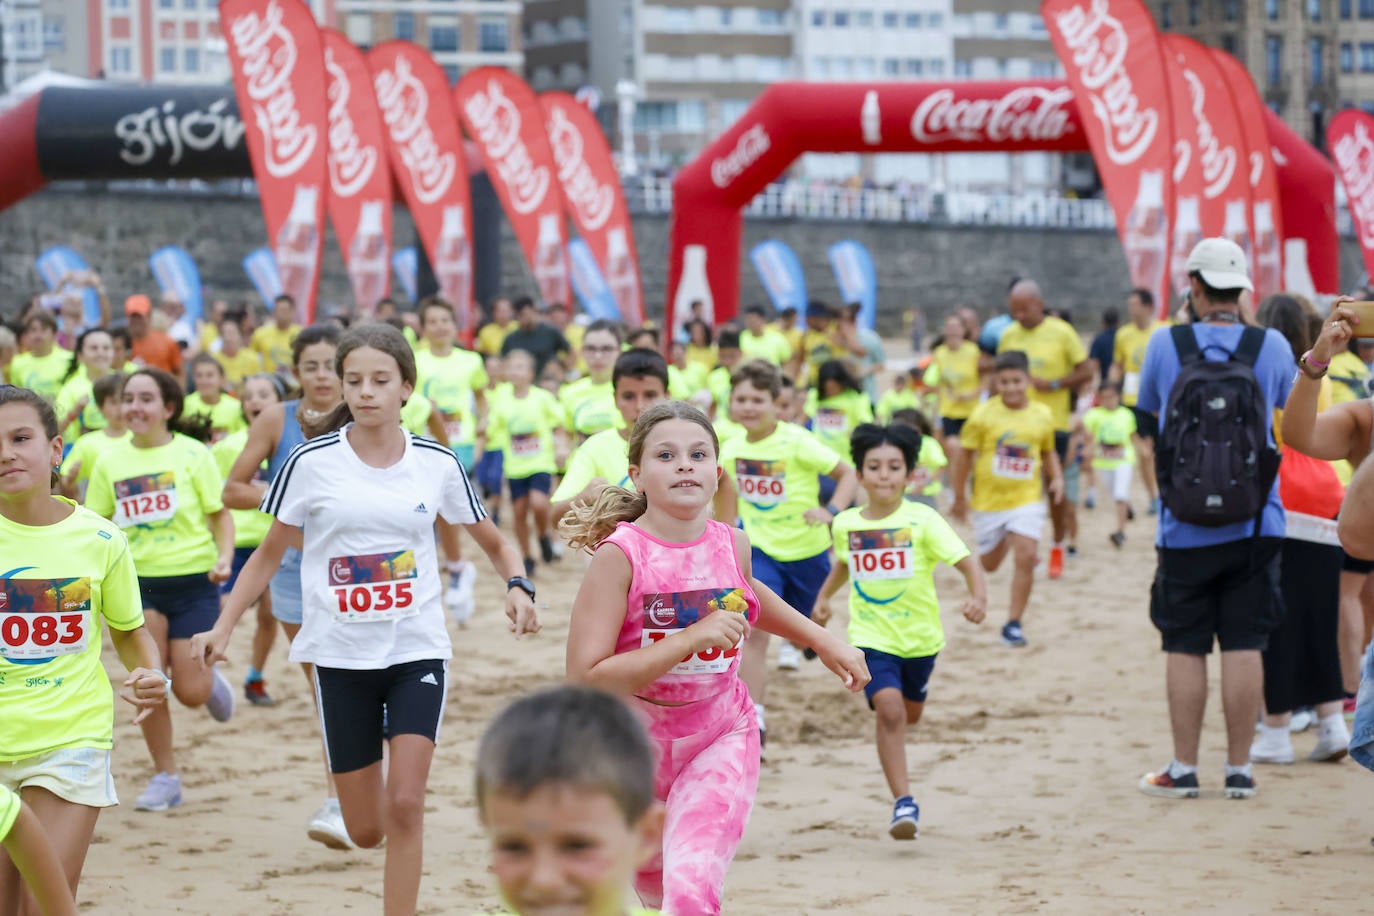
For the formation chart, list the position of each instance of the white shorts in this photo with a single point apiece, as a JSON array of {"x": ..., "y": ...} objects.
[
  {"x": 80, "y": 775},
  {"x": 989, "y": 528},
  {"x": 1118, "y": 480}
]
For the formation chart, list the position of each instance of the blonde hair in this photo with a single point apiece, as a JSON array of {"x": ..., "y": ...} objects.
[{"x": 585, "y": 525}]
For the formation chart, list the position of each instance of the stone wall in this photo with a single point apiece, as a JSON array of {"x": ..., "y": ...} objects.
[{"x": 933, "y": 268}]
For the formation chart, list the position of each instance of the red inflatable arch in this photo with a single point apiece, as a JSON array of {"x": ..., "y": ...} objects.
[{"x": 789, "y": 119}]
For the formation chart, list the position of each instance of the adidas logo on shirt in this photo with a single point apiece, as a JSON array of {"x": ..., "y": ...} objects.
[
  {"x": 421, "y": 508},
  {"x": 429, "y": 679}
]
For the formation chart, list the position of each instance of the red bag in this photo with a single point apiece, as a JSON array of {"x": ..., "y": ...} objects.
[{"x": 1309, "y": 485}]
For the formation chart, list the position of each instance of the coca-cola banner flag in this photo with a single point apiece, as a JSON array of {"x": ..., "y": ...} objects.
[
  {"x": 427, "y": 157},
  {"x": 359, "y": 176},
  {"x": 502, "y": 114},
  {"x": 1112, "y": 59},
  {"x": 278, "y": 64},
  {"x": 1209, "y": 144},
  {"x": 405, "y": 263},
  {"x": 1266, "y": 222},
  {"x": 261, "y": 268},
  {"x": 594, "y": 198},
  {"x": 780, "y": 271},
  {"x": 1350, "y": 137},
  {"x": 177, "y": 275},
  {"x": 589, "y": 284}
]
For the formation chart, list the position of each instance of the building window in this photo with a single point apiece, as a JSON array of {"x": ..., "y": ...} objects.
[
  {"x": 167, "y": 60},
  {"x": 936, "y": 20},
  {"x": 403, "y": 26},
  {"x": 1314, "y": 10},
  {"x": 1273, "y": 58},
  {"x": 189, "y": 4},
  {"x": 1271, "y": 10},
  {"x": 1347, "y": 57},
  {"x": 358, "y": 28},
  {"x": 443, "y": 34},
  {"x": 963, "y": 68},
  {"x": 1229, "y": 10},
  {"x": 1367, "y": 9},
  {"x": 773, "y": 19},
  {"x": 892, "y": 67},
  {"x": 1166, "y": 16},
  {"x": 1042, "y": 69},
  {"x": 936, "y": 67},
  {"x": 841, "y": 19},
  {"x": 891, "y": 20},
  {"x": 864, "y": 68},
  {"x": 454, "y": 73},
  {"x": 1193, "y": 11},
  {"x": 1367, "y": 57},
  {"x": 1228, "y": 44},
  {"x": 863, "y": 20},
  {"x": 818, "y": 19},
  {"x": 913, "y": 20},
  {"x": 492, "y": 35},
  {"x": 54, "y": 33},
  {"x": 1316, "y": 49},
  {"x": 121, "y": 60},
  {"x": 190, "y": 60},
  {"x": 1001, "y": 22},
  {"x": 1346, "y": 9},
  {"x": 166, "y": 4},
  {"x": 113, "y": 5}
]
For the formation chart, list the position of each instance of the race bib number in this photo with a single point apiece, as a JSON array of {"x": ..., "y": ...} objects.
[
  {"x": 1112, "y": 452},
  {"x": 880, "y": 554},
  {"x": 146, "y": 500},
  {"x": 666, "y": 614},
  {"x": 1012, "y": 462},
  {"x": 761, "y": 483},
  {"x": 41, "y": 619},
  {"x": 831, "y": 421},
  {"x": 375, "y": 587},
  {"x": 525, "y": 445},
  {"x": 1130, "y": 384}
]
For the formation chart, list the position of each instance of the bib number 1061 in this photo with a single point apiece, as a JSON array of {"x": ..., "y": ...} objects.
[{"x": 378, "y": 598}]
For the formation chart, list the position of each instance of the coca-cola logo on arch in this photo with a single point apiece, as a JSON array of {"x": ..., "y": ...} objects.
[
  {"x": 1218, "y": 162},
  {"x": 404, "y": 102},
  {"x": 497, "y": 122},
  {"x": 593, "y": 200},
  {"x": 1026, "y": 113},
  {"x": 1098, "y": 45},
  {"x": 351, "y": 162},
  {"x": 1354, "y": 155},
  {"x": 751, "y": 144},
  {"x": 267, "y": 56}
]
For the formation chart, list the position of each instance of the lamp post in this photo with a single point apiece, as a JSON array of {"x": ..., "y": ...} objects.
[{"x": 627, "y": 96}]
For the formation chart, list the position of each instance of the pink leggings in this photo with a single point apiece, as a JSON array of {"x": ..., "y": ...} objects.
[{"x": 708, "y": 772}]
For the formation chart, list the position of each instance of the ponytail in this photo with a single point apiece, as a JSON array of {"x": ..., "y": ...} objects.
[{"x": 584, "y": 526}]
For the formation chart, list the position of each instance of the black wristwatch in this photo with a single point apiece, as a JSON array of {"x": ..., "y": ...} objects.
[{"x": 521, "y": 583}]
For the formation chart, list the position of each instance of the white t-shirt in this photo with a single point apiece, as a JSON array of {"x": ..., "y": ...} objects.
[{"x": 369, "y": 573}]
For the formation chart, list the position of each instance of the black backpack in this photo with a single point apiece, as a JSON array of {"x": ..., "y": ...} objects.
[{"x": 1214, "y": 461}]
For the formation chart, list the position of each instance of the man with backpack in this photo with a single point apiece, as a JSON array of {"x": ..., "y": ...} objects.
[{"x": 1215, "y": 383}]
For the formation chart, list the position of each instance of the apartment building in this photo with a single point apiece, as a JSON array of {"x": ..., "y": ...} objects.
[{"x": 461, "y": 34}]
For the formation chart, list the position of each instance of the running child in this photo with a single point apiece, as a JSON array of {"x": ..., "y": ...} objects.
[
  {"x": 529, "y": 426},
  {"x": 1008, "y": 444},
  {"x": 78, "y": 412},
  {"x": 81, "y": 457},
  {"x": 660, "y": 620},
  {"x": 41, "y": 365},
  {"x": 589, "y": 402},
  {"x": 901, "y": 396},
  {"x": 365, "y": 497},
  {"x": 163, "y": 489},
  {"x": 925, "y": 485},
  {"x": 28, "y": 851},
  {"x": 1110, "y": 428},
  {"x": 888, "y": 550},
  {"x": 841, "y": 406},
  {"x": 211, "y": 399},
  {"x": 565, "y": 791},
  {"x": 65, "y": 572},
  {"x": 639, "y": 380}
]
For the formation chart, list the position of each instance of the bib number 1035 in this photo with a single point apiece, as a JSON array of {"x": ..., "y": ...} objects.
[
  {"x": 379, "y": 600},
  {"x": 374, "y": 587}
]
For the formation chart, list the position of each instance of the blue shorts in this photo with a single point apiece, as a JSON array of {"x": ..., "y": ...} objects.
[
  {"x": 828, "y": 485},
  {"x": 287, "y": 603},
  {"x": 909, "y": 675},
  {"x": 190, "y": 603},
  {"x": 241, "y": 555},
  {"x": 520, "y": 487},
  {"x": 490, "y": 471},
  {"x": 797, "y": 582}
]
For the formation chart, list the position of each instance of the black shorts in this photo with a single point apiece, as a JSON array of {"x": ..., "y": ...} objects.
[
  {"x": 1355, "y": 564},
  {"x": 1227, "y": 592},
  {"x": 1302, "y": 665},
  {"x": 909, "y": 675},
  {"x": 520, "y": 487},
  {"x": 952, "y": 426},
  {"x": 1061, "y": 448},
  {"x": 1146, "y": 424},
  {"x": 241, "y": 555},
  {"x": 190, "y": 603},
  {"x": 409, "y": 698}
]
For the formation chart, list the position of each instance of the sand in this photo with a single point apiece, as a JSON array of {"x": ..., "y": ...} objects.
[{"x": 1025, "y": 767}]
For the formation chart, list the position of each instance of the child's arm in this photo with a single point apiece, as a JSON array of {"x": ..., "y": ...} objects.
[
  {"x": 208, "y": 648},
  {"x": 38, "y": 864},
  {"x": 976, "y": 605},
  {"x": 597, "y": 615},
  {"x": 1054, "y": 474},
  {"x": 520, "y": 609},
  {"x": 834, "y": 581},
  {"x": 963, "y": 462},
  {"x": 725, "y": 504},
  {"x": 146, "y": 685},
  {"x": 846, "y": 484}
]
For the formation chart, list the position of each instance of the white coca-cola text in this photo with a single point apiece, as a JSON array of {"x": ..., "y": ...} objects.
[
  {"x": 1354, "y": 154},
  {"x": 404, "y": 102},
  {"x": 266, "y": 55},
  {"x": 592, "y": 200},
  {"x": 496, "y": 121},
  {"x": 1218, "y": 162},
  {"x": 145, "y": 132},
  {"x": 1098, "y": 45},
  {"x": 1026, "y": 113},
  {"x": 351, "y": 162},
  {"x": 751, "y": 144}
]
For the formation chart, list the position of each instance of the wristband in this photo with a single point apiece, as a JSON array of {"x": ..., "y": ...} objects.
[
  {"x": 830, "y": 507},
  {"x": 1313, "y": 362},
  {"x": 166, "y": 681}
]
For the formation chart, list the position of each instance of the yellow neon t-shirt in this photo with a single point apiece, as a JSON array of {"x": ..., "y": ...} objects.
[
  {"x": 835, "y": 418},
  {"x": 589, "y": 407},
  {"x": 957, "y": 372},
  {"x": 1054, "y": 348},
  {"x": 605, "y": 455},
  {"x": 776, "y": 479},
  {"x": 1009, "y": 443},
  {"x": 1349, "y": 376},
  {"x": 1111, "y": 431},
  {"x": 275, "y": 345},
  {"x": 226, "y": 414},
  {"x": 524, "y": 427},
  {"x": 1128, "y": 350},
  {"x": 718, "y": 383},
  {"x": 492, "y": 336},
  {"x": 451, "y": 383},
  {"x": 769, "y": 345},
  {"x": 160, "y": 496},
  {"x": 68, "y": 396},
  {"x": 85, "y": 452},
  {"x": 930, "y": 461},
  {"x": 894, "y": 400},
  {"x": 59, "y": 583},
  {"x": 240, "y": 366},
  {"x": 705, "y": 357},
  {"x": 250, "y": 525},
  {"x": 42, "y": 374},
  {"x": 893, "y": 607}
]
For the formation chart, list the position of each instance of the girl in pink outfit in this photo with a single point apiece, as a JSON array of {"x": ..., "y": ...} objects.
[{"x": 661, "y": 619}]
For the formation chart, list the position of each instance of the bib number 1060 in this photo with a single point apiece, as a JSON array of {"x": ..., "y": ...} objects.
[{"x": 378, "y": 597}]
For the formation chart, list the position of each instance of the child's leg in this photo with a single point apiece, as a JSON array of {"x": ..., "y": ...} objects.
[
  {"x": 542, "y": 511},
  {"x": 265, "y": 633},
  {"x": 993, "y": 558},
  {"x": 1023, "y": 554},
  {"x": 893, "y": 714},
  {"x": 520, "y": 512},
  {"x": 448, "y": 540}
]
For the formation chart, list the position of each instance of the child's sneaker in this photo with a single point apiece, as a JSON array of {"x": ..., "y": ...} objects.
[
  {"x": 905, "y": 814},
  {"x": 255, "y": 692},
  {"x": 1272, "y": 746},
  {"x": 789, "y": 659},
  {"x": 220, "y": 705},
  {"x": 1238, "y": 785},
  {"x": 546, "y": 548},
  {"x": 163, "y": 792},
  {"x": 1118, "y": 538},
  {"x": 1090, "y": 501},
  {"x": 1056, "y": 562},
  {"x": 1012, "y": 635},
  {"x": 1163, "y": 785}
]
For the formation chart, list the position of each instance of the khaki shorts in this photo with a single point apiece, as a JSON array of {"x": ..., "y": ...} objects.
[{"x": 80, "y": 775}]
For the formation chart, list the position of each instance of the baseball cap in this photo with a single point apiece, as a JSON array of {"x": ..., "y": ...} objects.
[
  {"x": 1221, "y": 263},
  {"x": 138, "y": 304}
]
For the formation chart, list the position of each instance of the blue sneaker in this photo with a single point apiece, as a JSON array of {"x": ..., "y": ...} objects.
[
  {"x": 905, "y": 814},
  {"x": 1012, "y": 635},
  {"x": 163, "y": 792}
]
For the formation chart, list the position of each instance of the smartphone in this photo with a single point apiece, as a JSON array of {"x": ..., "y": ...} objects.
[
  {"x": 53, "y": 301},
  {"x": 1365, "y": 312}
]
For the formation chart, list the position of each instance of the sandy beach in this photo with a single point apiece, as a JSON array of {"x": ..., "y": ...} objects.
[{"x": 1025, "y": 767}]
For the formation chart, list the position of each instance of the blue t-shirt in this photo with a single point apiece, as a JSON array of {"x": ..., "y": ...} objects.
[
  {"x": 1273, "y": 370},
  {"x": 1102, "y": 350}
]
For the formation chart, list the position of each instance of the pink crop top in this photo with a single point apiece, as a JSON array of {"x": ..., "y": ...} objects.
[{"x": 673, "y": 586}]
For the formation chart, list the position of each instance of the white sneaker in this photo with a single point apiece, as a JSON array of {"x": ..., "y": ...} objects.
[
  {"x": 458, "y": 596},
  {"x": 789, "y": 657},
  {"x": 1303, "y": 719},
  {"x": 327, "y": 826},
  {"x": 1333, "y": 742},
  {"x": 1272, "y": 746},
  {"x": 220, "y": 705}
]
